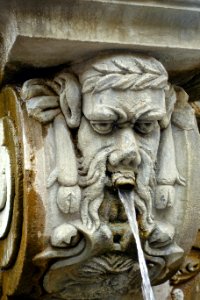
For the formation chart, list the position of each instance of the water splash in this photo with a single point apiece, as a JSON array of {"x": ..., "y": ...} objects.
[{"x": 127, "y": 199}]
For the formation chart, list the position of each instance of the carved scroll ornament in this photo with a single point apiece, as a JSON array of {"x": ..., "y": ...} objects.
[
  {"x": 110, "y": 123},
  {"x": 187, "y": 277}
]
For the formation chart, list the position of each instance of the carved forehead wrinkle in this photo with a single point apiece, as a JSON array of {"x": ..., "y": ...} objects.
[
  {"x": 124, "y": 105},
  {"x": 102, "y": 106},
  {"x": 150, "y": 105},
  {"x": 106, "y": 105}
]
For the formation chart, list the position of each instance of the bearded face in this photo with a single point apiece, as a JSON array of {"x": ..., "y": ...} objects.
[
  {"x": 119, "y": 138},
  {"x": 116, "y": 124}
]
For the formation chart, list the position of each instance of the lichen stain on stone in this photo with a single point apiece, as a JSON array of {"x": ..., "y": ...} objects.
[
  {"x": 45, "y": 131},
  {"x": 34, "y": 210}
]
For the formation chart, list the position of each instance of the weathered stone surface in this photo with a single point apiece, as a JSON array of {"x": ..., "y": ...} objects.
[
  {"x": 46, "y": 33},
  {"x": 127, "y": 135},
  {"x": 95, "y": 106}
]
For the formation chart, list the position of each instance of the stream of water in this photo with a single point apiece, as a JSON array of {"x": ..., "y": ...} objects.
[{"x": 127, "y": 199}]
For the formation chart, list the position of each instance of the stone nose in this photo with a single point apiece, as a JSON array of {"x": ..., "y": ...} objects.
[{"x": 126, "y": 151}]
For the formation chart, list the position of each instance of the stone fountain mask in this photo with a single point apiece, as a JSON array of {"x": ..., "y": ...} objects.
[
  {"x": 123, "y": 128},
  {"x": 118, "y": 126}
]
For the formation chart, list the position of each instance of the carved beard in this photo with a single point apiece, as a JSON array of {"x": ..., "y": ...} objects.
[
  {"x": 145, "y": 189},
  {"x": 93, "y": 179}
]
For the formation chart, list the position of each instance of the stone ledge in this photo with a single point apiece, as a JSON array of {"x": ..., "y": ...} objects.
[{"x": 49, "y": 34}]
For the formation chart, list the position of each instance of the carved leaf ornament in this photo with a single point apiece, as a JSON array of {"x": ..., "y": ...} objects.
[{"x": 137, "y": 76}]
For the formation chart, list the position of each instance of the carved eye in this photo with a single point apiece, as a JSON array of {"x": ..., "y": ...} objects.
[
  {"x": 102, "y": 127},
  {"x": 145, "y": 126}
]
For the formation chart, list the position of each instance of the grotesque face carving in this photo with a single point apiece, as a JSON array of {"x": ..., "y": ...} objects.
[
  {"x": 125, "y": 137},
  {"x": 122, "y": 127},
  {"x": 123, "y": 120},
  {"x": 123, "y": 104}
]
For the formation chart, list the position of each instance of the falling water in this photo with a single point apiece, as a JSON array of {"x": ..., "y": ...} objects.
[{"x": 127, "y": 199}]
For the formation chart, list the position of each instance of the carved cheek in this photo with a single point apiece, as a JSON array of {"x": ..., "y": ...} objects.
[
  {"x": 89, "y": 141},
  {"x": 150, "y": 142}
]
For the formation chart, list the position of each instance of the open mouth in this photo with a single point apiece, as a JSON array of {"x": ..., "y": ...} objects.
[{"x": 123, "y": 180}]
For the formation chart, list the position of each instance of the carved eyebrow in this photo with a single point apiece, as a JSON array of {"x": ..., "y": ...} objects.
[
  {"x": 106, "y": 114},
  {"x": 153, "y": 115},
  {"x": 100, "y": 117},
  {"x": 101, "y": 121},
  {"x": 143, "y": 110},
  {"x": 140, "y": 108}
]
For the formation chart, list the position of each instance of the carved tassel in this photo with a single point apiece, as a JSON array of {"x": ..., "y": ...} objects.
[
  {"x": 65, "y": 154},
  {"x": 167, "y": 173}
]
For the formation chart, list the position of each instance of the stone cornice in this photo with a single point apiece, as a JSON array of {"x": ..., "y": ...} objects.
[
  {"x": 170, "y": 4},
  {"x": 168, "y": 30}
]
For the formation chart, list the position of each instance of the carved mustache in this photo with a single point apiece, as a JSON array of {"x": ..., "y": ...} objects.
[
  {"x": 89, "y": 172},
  {"x": 93, "y": 179}
]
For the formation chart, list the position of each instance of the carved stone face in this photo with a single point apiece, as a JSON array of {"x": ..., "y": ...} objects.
[
  {"x": 127, "y": 135},
  {"x": 123, "y": 121},
  {"x": 122, "y": 129}
]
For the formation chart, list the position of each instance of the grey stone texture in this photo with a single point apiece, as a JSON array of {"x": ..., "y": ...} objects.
[{"x": 95, "y": 99}]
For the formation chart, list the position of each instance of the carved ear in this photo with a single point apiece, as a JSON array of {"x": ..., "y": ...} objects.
[{"x": 70, "y": 98}]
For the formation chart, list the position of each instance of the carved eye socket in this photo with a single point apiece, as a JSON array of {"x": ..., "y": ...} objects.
[
  {"x": 102, "y": 127},
  {"x": 145, "y": 127}
]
